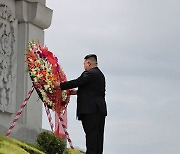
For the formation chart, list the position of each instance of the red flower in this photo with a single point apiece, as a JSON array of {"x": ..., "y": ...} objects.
[
  {"x": 43, "y": 78},
  {"x": 31, "y": 65},
  {"x": 38, "y": 64},
  {"x": 31, "y": 56},
  {"x": 43, "y": 72}
]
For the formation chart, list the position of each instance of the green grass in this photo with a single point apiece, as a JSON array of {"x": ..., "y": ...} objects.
[
  {"x": 72, "y": 151},
  {"x": 9, "y": 145},
  {"x": 12, "y": 146}
]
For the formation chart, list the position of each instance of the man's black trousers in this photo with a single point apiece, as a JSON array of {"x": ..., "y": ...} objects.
[{"x": 93, "y": 125}]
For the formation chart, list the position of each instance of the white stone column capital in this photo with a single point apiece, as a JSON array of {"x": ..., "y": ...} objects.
[
  {"x": 39, "y": 1},
  {"x": 33, "y": 12}
]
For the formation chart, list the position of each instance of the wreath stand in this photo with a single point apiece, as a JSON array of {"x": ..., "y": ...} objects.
[{"x": 57, "y": 123}]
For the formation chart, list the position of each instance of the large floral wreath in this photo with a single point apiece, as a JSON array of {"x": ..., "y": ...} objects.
[{"x": 44, "y": 70}]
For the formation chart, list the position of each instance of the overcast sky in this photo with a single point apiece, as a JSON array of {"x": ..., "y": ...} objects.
[{"x": 138, "y": 48}]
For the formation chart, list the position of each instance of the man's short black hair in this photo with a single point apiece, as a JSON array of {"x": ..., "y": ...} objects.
[{"x": 91, "y": 56}]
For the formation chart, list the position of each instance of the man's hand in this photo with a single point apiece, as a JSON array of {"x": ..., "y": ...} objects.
[
  {"x": 56, "y": 84},
  {"x": 73, "y": 92}
]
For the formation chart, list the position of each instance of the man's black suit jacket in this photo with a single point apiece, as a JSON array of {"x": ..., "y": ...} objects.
[{"x": 91, "y": 92}]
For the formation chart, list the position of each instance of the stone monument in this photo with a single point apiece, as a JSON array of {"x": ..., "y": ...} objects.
[{"x": 20, "y": 21}]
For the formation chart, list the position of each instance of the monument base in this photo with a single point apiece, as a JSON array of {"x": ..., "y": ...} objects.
[{"x": 24, "y": 134}]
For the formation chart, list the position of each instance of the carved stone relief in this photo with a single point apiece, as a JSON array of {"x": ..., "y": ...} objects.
[{"x": 7, "y": 59}]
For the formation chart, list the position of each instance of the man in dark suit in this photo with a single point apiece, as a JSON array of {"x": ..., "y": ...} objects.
[{"x": 91, "y": 105}]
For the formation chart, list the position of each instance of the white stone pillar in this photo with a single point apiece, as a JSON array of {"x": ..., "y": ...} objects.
[{"x": 31, "y": 18}]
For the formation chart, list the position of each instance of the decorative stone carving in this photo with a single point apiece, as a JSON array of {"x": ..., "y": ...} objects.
[{"x": 7, "y": 58}]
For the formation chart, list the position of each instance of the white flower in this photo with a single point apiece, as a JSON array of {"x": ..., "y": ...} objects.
[
  {"x": 64, "y": 95},
  {"x": 46, "y": 86}
]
